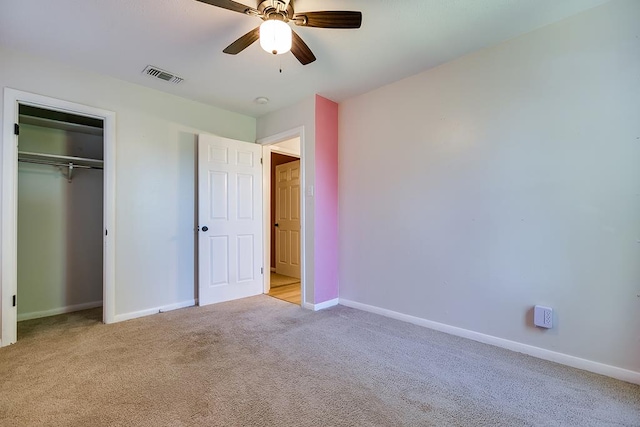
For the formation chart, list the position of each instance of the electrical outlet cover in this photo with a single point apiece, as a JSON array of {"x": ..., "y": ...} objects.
[{"x": 543, "y": 316}]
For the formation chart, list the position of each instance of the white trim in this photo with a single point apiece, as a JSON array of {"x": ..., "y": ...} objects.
[
  {"x": 109, "y": 195},
  {"x": 322, "y": 305},
  {"x": 59, "y": 310},
  {"x": 155, "y": 310},
  {"x": 266, "y": 204},
  {"x": 540, "y": 353},
  {"x": 8, "y": 227},
  {"x": 283, "y": 136},
  {"x": 266, "y": 216},
  {"x": 285, "y": 151}
]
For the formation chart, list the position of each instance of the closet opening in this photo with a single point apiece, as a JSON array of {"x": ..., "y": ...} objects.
[
  {"x": 60, "y": 142},
  {"x": 60, "y": 214}
]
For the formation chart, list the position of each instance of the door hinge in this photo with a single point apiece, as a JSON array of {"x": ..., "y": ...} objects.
[
  {"x": 16, "y": 129},
  {"x": 261, "y": 270},
  {"x": 106, "y": 232},
  {"x": 260, "y": 160},
  {"x": 14, "y": 300}
]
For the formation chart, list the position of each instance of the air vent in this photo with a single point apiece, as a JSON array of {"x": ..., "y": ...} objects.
[{"x": 161, "y": 74}]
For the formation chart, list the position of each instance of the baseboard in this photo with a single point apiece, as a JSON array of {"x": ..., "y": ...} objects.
[
  {"x": 59, "y": 310},
  {"x": 273, "y": 269},
  {"x": 541, "y": 353},
  {"x": 155, "y": 310},
  {"x": 322, "y": 305}
]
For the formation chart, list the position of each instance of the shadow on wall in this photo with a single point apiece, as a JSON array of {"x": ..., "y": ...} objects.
[
  {"x": 192, "y": 139},
  {"x": 185, "y": 242}
]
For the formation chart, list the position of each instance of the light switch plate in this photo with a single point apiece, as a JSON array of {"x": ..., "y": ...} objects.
[{"x": 543, "y": 316}]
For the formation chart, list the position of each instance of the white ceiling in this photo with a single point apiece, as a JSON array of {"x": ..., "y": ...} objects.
[{"x": 398, "y": 38}]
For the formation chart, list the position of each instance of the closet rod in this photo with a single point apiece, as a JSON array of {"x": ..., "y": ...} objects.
[
  {"x": 49, "y": 157},
  {"x": 52, "y": 163},
  {"x": 70, "y": 166}
]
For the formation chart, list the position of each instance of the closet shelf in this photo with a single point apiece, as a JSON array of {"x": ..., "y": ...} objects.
[
  {"x": 69, "y": 162},
  {"x": 61, "y": 125}
]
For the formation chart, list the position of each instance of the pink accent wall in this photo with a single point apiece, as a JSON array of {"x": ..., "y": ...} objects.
[{"x": 326, "y": 201}]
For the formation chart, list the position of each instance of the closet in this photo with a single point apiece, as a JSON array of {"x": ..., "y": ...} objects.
[{"x": 60, "y": 212}]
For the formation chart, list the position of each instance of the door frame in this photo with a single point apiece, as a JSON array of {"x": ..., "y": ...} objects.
[
  {"x": 267, "y": 147},
  {"x": 9, "y": 203}
]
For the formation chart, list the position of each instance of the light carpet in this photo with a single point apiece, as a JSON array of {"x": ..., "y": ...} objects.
[{"x": 264, "y": 362}]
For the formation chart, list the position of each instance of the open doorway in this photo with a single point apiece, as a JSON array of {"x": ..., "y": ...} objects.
[
  {"x": 284, "y": 218},
  {"x": 285, "y": 228},
  {"x": 56, "y": 258}
]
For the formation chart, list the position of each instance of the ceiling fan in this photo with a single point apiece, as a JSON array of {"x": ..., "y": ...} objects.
[{"x": 275, "y": 35}]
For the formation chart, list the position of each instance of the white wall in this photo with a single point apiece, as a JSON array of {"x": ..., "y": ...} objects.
[
  {"x": 301, "y": 114},
  {"x": 155, "y": 173},
  {"x": 59, "y": 226},
  {"x": 504, "y": 179}
]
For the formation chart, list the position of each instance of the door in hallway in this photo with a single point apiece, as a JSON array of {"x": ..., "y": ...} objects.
[{"x": 288, "y": 219}]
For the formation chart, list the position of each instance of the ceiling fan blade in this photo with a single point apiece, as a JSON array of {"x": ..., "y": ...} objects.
[
  {"x": 301, "y": 51},
  {"x": 243, "y": 42},
  {"x": 231, "y": 5},
  {"x": 329, "y": 19}
]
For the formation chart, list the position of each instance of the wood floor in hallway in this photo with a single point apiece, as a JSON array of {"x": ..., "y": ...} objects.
[{"x": 289, "y": 292}]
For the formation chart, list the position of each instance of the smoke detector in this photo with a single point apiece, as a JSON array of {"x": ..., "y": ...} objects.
[{"x": 161, "y": 74}]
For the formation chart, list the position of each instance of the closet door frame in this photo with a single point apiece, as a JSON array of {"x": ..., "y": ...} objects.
[{"x": 9, "y": 204}]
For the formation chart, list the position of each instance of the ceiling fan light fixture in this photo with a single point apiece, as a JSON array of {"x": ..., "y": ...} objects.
[{"x": 275, "y": 36}]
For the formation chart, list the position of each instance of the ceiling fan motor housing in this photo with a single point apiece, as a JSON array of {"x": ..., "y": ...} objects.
[{"x": 275, "y": 9}]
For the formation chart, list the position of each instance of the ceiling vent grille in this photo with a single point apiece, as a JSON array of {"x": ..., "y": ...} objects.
[{"x": 161, "y": 74}]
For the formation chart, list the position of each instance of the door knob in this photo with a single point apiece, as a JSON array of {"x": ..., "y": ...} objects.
[
  {"x": 205, "y": 228},
  {"x": 277, "y": 225}
]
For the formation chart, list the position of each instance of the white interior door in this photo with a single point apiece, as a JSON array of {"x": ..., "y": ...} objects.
[
  {"x": 230, "y": 219},
  {"x": 288, "y": 219}
]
